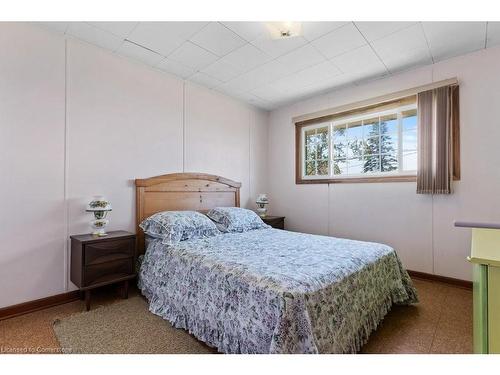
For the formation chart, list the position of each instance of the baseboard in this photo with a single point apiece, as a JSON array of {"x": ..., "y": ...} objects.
[
  {"x": 443, "y": 279},
  {"x": 39, "y": 304}
]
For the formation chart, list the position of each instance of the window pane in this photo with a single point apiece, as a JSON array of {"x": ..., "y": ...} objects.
[
  {"x": 316, "y": 143},
  {"x": 339, "y": 167},
  {"x": 322, "y": 138},
  {"x": 389, "y": 143},
  {"x": 354, "y": 130},
  {"x": 339, "y": 141},
  {"x": 372, "y": 146},
  {"x": 410, "y": 120},
  {"x": 410, "y": 161},
  {"x": 310, "y": 144},
  {"x": 371, "y": 127},
  {"x": 310, "y": 168},
  {"x": 371, "y": 163},
  {"x": 410, "y": 140},
  {"x": 355, "y": 149},
  {"x": 339, "y": 131},
  {"x": 310, "y": 152},
  {"x": 323, "y": 167},
  {"x": 355, "y": 166},
  {"x": 388, "y": 163},
  {"x": 389, "y": 124},
  {"x": 339, "y": 151}
]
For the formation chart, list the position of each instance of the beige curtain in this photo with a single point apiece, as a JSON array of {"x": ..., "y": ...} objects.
[{"x": 437, "y": 121}]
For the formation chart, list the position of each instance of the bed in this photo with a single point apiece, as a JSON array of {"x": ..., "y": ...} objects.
[{"x": 265, "y": 290}]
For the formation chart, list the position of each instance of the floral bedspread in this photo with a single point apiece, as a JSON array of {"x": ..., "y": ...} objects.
[{"x": 274, "y": 291}]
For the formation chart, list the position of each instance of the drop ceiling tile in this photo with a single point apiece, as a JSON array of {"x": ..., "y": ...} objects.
[
  {"x": 268, "y": 93},
  {"x": 174, "y": 67},
  {"x": 91, "y": 34},
  {"x": 360, "y": 60},
  {"x": 258, "y": 102},
  {"x": 164, "y": 37},
  {"x": 449, "y": 39},
  {"x": 493, "y": 34},
  {"x": 259, "y": 76},
  {"x": 192, "y": 56},
  {"x": 313, "y": 30},
  {"x": 121, "y": 29},
  {"x": 278, "y": 47},
  {"x": 403, "y": 49},
  {"x": 301, "y": 58},
  {"x": 316, "y": 88},
  {"x": 247, "y": 57},
  {"x": 229, "y": 91},
  {"x": 248, "y": 30},
  {"x": 363, "y": 77},
  {"x": 59, "y": 27},
  {"x": 308, "y": 76},
  {"x": 245, "y": 82},
  {"x": 335, "y": 82},
  {"x": 139, "y": 53},
  {"x": 339, "y": 41},
  {"x": 247, "y": 97},
  {"x": 217, "y": 39},
  {"x": 262, "y": 104},
  {"x": 205, "y": 80},
  {"x": 223, "y": 70},
  {"x": 374, "y": 30},
  {"x": 271, "y": 71}
]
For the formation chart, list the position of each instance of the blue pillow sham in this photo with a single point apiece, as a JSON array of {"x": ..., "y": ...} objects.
[
  {"x": 176, "y": 226},
  {"x": 235, "y": 219}
]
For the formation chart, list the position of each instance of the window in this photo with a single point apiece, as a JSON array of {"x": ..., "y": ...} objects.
[{"x": 377, "y": 143}]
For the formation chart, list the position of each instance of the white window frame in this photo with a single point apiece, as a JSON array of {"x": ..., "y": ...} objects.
[
  {"x": 345, "y": 120},
  {"x": 303, "y": 148}
]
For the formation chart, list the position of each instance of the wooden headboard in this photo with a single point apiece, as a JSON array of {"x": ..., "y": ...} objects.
[{"x": 181, "y": 192}]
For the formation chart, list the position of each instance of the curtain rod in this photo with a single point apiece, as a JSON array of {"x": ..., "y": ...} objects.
[{"x": 376, "y": 100}]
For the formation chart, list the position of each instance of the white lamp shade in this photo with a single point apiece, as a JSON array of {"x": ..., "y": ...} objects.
[
  {"x": 98, "y": 204},
  {"x": 262, "y": 198}
]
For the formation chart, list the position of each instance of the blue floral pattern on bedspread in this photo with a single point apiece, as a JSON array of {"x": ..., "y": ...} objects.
[{"x": 274, "y": 291}]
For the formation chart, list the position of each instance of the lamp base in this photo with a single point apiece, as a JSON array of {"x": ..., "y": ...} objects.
[
  {"x": 99, "y": 233},
  {"x": 99, "y": 225},
  {"x": 262, "y": 212}
]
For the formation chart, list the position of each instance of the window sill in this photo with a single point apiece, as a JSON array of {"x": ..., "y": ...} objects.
[{"x": 354, "y": 180}]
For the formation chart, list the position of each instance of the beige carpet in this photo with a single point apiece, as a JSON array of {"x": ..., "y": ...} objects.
[{"x": 124, "y": 327}]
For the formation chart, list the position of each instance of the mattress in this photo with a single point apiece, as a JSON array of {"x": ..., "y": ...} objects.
[{"x": 275, "y": 291}]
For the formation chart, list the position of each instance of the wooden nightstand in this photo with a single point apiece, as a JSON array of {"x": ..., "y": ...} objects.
[
  {"x": 99, "y": 261},
  {"x": 277, "y": 222}
]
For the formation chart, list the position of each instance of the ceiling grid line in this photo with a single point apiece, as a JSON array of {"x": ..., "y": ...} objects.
[
  {"x": 427, "y": 42},
  {"x": 373, "y": 49},
  {"x": 486, "y": 36}
]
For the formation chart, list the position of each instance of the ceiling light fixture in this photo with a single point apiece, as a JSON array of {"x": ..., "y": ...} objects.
[{"x": 283, "y": 30}]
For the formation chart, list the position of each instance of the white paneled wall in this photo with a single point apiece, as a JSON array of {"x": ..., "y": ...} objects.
[
  {"x": 32, "y": 218},
  {"x": 419, "y": 227},
  {"x": 258, "y": 156},
  {"x": 217, "y": 136},
  {"x": 75, "y": 121},
  {"x": 124, "y": 122}
]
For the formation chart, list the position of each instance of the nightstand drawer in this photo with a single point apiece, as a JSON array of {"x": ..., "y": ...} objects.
[
  {"x": 103, "y": 272},
  {"x": 101, "y": 252}
]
